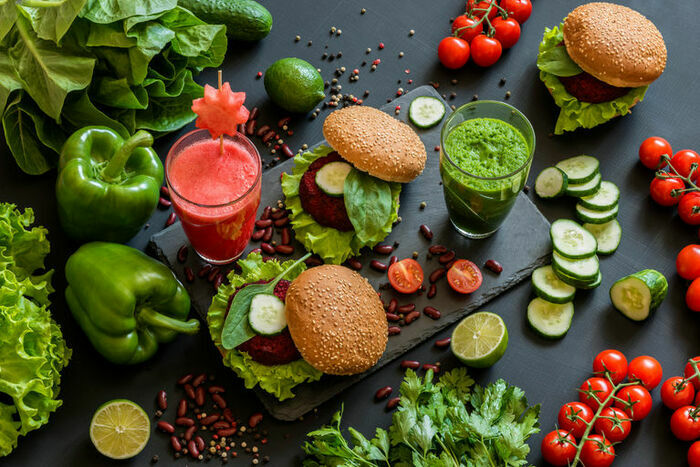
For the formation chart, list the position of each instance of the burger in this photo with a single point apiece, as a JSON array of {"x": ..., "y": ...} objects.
[
  {"x": 598, "y": 63},
  {"x": 327, "y": 319},
  {"x": 345, "y": 195}
]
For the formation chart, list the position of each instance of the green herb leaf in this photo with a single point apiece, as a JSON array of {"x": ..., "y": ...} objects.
[
  {"x": 368, "y": 203},
  {"x": 52, "y": 23},
  {"x": 557, "y": 62},
  {"x": 109, "y": 11},
  {"x": 8, "y": 78},
  {"x": 8, "y": 15}
]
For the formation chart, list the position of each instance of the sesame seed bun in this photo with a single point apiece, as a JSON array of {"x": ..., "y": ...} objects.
[
  {"x": 336, "y": 320},
  {"x": 615, "y": 44},
  {"x": 376, "y": 143}
]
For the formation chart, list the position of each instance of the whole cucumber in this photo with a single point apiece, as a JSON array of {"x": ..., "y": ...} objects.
[{"x": 245, "y": 20}]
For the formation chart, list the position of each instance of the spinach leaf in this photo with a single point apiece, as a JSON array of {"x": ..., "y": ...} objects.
[
  {"x": 204, "y": 44},
  {"x": 165, "y": 114},
  {"x": 109, "y": 11},
  {"x": 79, "y": 111},
  {"x": 8, "y": 78},
  {"x": 117, "y": 93},
  {"x": 8, "y": 15},
  {"x": 368, "y": 203},
  {"x": 109, "y": 35},
  {"x": 52, "y": 23},
  {"x": 557, "y": 62}
]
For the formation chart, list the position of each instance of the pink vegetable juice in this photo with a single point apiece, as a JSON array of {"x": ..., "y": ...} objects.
[{"x": 215, "y": 195}]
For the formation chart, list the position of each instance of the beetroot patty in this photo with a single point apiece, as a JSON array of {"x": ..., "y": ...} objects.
[
  {"x": 328, "y": 211},
  {"x": 587, "y": 88}
]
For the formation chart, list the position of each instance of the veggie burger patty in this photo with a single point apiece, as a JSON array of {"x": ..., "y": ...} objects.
[
  {"x": 587, "y": 88},
  {"x": 328, "y": 211}
]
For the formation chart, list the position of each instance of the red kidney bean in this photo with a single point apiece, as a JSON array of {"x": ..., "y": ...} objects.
[
  {"x": 172, "y": 217},
  {"x": 200, "y": 443},
  {"x": 266, "y": 213},
  {"x": 432, "y": 290},
  {"x": 199, "y": 396},
  {"x": 391, "y": 317},
  {"x": 407, "y": 308},
  {"x": 378, "y": 266},
  {"x": 227, "y": 431},
  {"x": 162, "y": 400},
  {"x": 436, "y": 275},
  {"x": 216, "y": 389},
  {"x": 268, "y": 136},
  {"x": 241, "y": 128},
  {"x": 228, "y": 415},
  {"x": 257, "y": 235},
  {"x": 494, "y": 266},
  {"x": 199, "y": 379},
  {"x": 189, "y": 390},
  {"x": 286, "y": 236},
  {"x": 313, "y": 261},
  {"x": 428, "y": 366},
  {"x": 184, "y": 379},
  {"x": 189, "y": 274},
  {"x": 192, "y": 446},
  {"x": 250, "y": 127},
  {"x": 182, "y": 408},
  {"x": 263, "y": 130},
  {"x": 219, "y": 280},
  {"x": 354, "y": 263},
  {"x": 284, "y": 249},
  {"x": 253, "y": 113},
  {"x": 383, "y": 393},
  {"x": 412, "y": 364},
  {"x": 411, "y": 317},
  {"x": 267, "y": 248},
  {"x": 255, "y": 419},
  {"x": 437, "y": 249},
  {"x": 218, "y": 400},
  {"x": 282, "y": 221},
  {"x": 267, "y": 236},
  {"x": 175, "y": 443},
  {"x": 165, "y": 427},
  {"x": 255, "y": 250},
  {"x": 204, "y": 271},
  {"x": 221, "y": 424},
  {"x": 213, "y": 273},
  {"x": 447, "y": 257},
  {"x": 393, "y": 260},
  {"x": 165, "y": 192},
  {"x": 383, "y": 249},
  {"x": 183, "y": 253},
  {"x": 279, "y": 213},
  {"x": 442, "y": 343},
  {"x": 164, "y": 203},
  {"x": 393, "y": 304},
  {"x": 184, "y": 421},
  {"x": 189, "y": 433},
  {"x": 287, "y": 151},
  {"x": 393, "y": 403},
  {"x": 209, "y": 419},
  {"x": 427, "y": 233},
  {"x": 394, "y": 330},
  {"x": 261, "y": 224},
  {"x": 449, "y": 265},
  {"x": 283, "y": 121},
  {"x": 432, "y": 312}
]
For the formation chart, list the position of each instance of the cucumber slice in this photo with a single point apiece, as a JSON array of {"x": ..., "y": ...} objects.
[
  {"x": 551, "y": 183},
  {"x": 590, "y": 285},
  {"x": 426, "y": 112},
  {"x": 604, "y": 199},
  {"x": 591, "y": 187},
  {"x": 579, "y": 169},
  {"x": 266, "y": 315},
  {"x": 571, "y": 240},
  {"x": 550, "y": 320},
  {"x": 331, "y": 177},
  {"x": 638, "y": 295},
  {"x": 548, "y": 286},
  {"x": 608, "y": 236},
  {"x": 579, "y": 284},
  {"x": 585, "y": 269},
  {"x": 596, "y": 217}
]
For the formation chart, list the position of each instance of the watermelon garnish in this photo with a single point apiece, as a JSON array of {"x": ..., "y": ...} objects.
[{"x": 220, "y": 110}]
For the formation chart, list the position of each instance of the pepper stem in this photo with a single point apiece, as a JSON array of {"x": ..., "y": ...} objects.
[
  {"x": 153, "y": 318},
  {"x": 113, "y": 170}
]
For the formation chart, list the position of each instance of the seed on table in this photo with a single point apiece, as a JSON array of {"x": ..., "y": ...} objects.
[
  {"x": 391, "y": 317},
  {"x": 442, "y": 343},
  {"x": 175, "y": 443},
  {"x": 267, "y": 236},
  {"x": 393, "y": 304},
  {"x": 162, "y": 400},
  {"x": 253, "y": 113},
  {"x": 165, "y": 192},
  {"x": 184, "y": 421},
  {"x": 432, "y": 312},
  {"x": 436, "y": 275},
  {"x": 208, "y": 420},
  {"x": 266, "y": 213},
  {"x": 220, "y": 425},
  {"x": 226, "y": 431},
  {"x": 199, "y": 379},
  {"x": 165, "y": 427},
  {"x": 286, "y": 236},
  {"x": 216, "y": 389},
  {"x": 383, "y": 249},
  {"x": 437, "y": 249},
  {"x": 297, "y": 38},
  {"x": 411, "y": 317},
  {"x": 218, "y": 400},
  {"x": 268, "y": 136},
  {"x": 407, "y": 308},
  {"x": 411, "y": 32},
  {"x": 203, "y": 271},
  {"x": 250, "y": 127},
  {"x": 494, "y": 266},
  {"x": 189, "y": 390},
  {"x": 164, "y": 203},
  {"x": 393, "y": 260},
  {"x": 447, "y": 257},
  {"x": 263, "y": 130},
  {"x": 255, "y": 250},
  {"x": 394, "y": 330},
  {"x": 184, "y": 379},
  {"x": 281, "y": 222},
  {"x": 363, "y": 11},
  {"x": 378, "y": 265},
  {"x": 255, "y": 419},
  {"x": 428, "y": 366},
  {"x": 432, "y": 290},
  {"x": 393, "y": 403},
  {"x": 427, "y": 233},
  {"x": 284, "y": 249},
  {"x": 182, "y": 408},
  {"x": 383, "y": 393},
  {"x": 257, "y": 235},
  {"x": 287, "y": 151},
  {"x": 267, "y": 248},
  {"x": 199, "y": 396},
  {"x": 192, "y": 446},
  {"x": 182, "y": 253},
  {"x": 189, "y": 433},
  {"x": 412, "y": 364},
  {"x": 262, "y": 224}
]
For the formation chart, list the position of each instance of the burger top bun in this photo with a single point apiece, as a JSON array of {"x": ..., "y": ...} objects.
[
  {"x": 336, "y": 320},
  {"x": 615, "y": 44},
  {"x": 376, "y": 143}
]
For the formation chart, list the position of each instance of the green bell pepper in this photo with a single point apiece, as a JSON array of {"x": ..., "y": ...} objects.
[
  {"x": 125, "y": 302},
  {"x": 107, "y": 187}
]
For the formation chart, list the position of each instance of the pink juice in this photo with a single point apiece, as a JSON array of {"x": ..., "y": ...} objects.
[{"x": 215, "y": 195}]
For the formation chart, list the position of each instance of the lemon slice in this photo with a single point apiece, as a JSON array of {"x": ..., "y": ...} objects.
[
  {"x": 120, "y": 429},
  {"x": 480, "y": 340}
]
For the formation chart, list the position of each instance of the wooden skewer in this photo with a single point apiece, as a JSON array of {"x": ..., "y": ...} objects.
[{"x": 221, "y": 138}]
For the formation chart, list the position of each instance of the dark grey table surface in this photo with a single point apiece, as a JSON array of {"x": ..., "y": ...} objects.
[{"x": 549, "y": 372}]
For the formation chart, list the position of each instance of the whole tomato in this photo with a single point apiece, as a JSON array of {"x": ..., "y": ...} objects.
[
  {"x": 507, "y": 31},
  {"x": 467, "y": 28},
  {"x": 635, "y": 401},
  {"x": 597, "y": 452},
  {"x": 690, "y": 373},
  {"x": 573, "y": 417},
  {"x": 647, "y": 370},
  {"x": 666, "y": 191},
  {"x": 685, "y": 423},
  {"x": 480, "y": 9},
  {"x": 689, "y": 208},
  {"x": 519, "y": 10},
  {"x": 614, "y": 424},
  {"x": 612, "y": 361},
  {"x": 688, "y": 262},
  {"x": 652, "y": 149},
  {"x": 677, "y": 392},
  {"x": 453, "y": 52},
  {"x": 692, "y": 295},
  {"x": 485, "y": 50},
  {"x": 694, "y": 455},
  {"x": 558, "y": 448},
  {"x": 683, "y": 162},
  {"x": 595, "y": 391}
]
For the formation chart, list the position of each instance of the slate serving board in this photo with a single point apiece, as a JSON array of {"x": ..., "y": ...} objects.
[{"x": 521, "y": 245}]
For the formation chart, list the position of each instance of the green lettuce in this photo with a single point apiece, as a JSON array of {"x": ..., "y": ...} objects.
[
  {"x": 278, "y": 380},
  {"x": 330, "y": 244},
  {"x": 574, "y": 113}
]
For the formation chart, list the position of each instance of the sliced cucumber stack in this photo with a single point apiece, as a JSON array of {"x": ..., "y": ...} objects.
[
  {"x": 331, "y": 177},
  {"x": 426, "y": 112},
  {"x": 549, "y": 287},
  {"x": 571, "y": 240},
  {"x": 595, "y": 217},
  {"x": 578, "y": 283},
  {"x": 608, "y": 236},
  {"x": 585, "y": 269},
  {"x": 266, "y": 315},
  {"x": 604, "y": 199},
  {"x": 550, "y": 320},
  {"x": 591, "y": 187},
  {"x": 579, "y": 169},
  {"x": 551, "y": 183},
  {"x": 638, "y": 295}
]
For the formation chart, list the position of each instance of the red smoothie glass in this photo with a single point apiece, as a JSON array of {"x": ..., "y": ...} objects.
[{"x": 216, "y": 196}]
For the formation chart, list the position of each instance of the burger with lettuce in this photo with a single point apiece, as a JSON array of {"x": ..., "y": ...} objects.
[{"x": 598, "y": 63}]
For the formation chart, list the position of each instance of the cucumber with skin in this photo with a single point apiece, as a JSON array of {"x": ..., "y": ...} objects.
[
  {"x": 579, "y": 169},
  {"x": 550, "y": 320},
  {"x": 585, "y": 269},
  {"x": 331, "y": 177},
  {"x": 578, "y": 190},
  {"x": 571, "y": 240},
  {"x": 596, "y": 217},
  {"x": 267, "y": 317},
  {"x": 245, "y": 20},
  {"x": 607, "y": 197},
  {"x": 608, "y": 236},
  {"x": 549, "y": 287},
  {"x": 551, "y": 183},
  {"x": 638, "y": 295}
]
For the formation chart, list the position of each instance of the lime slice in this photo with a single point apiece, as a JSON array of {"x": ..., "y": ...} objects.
[
  {"x": 120, "y": 429},
  {"x": 480, "y": 340}
]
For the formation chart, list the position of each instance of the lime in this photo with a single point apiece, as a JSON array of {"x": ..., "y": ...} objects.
[
  {"x": 480, "y": 340},
  {"x": 120, "y": 429},
  {"x": 294, "y": 84}
]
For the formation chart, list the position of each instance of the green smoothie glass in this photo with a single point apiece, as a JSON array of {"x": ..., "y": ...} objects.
[{"x": 485, "y": 156}]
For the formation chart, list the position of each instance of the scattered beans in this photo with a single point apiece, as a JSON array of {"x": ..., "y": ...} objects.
[
  {"x": 257, "y": 235},
  {"x": 203, "y": 272},
  {"x": 199, "y": 379},
  {"x": 383, "y": 249},
  {"x": 261, "y": 224},
  {"x": 255, "y": 250},
  {"x": 267, "y": 236},
  {"x": 220, "y": 425},
  {"x": 164, "y": 203},
  {"x": 284, "y": 249},
  {"x": 394, "y": 330},
  {"x": 442, "y": 343},
  {"x": 437, "y": 249},
  {"x": 165, "y": 192},
  {"x": 192, "y": 446},
  {"x": 494, "y": 266},
  {"x": 263, "y": 130},
  {"x": 162, "y": 400},
  {"x": 393, "y": 403},
  {"x": 208, "y": 420},
  {"x": 189, "y": 433},
  {"x": 189, "y": 274},
  {"x": 253, "y": 113},
  {"x": 218, "y": 280},
  {"x": 286, "y": 236},
  {"x": 428, "y": 366},
  {"x": 383, "y": 393},
  {"x": 412, "y": 364},
  {"x": 250, "y": 127},
  {"x": 447, "y": 257},
  {"x": 228, "y": 415},
  {"x": 393, "y": 304},
  {"x": 313, "y": 261},
  {"x": 227, "y": 431},
  {"x": 189, "y": 390},
  {"x": 175, "y": 443},
  {"x": 184, "y": 379},
  {"x": 255, "y": 419},
  {"x": 427, "y": 233},
  {"x": 182, "y": 408},
  {"x": 393, "y": 260},
  {"x": 378, "y": 266},
  {"x": 268, "y": 136},
  {"x": 287, "y": 151},
  {"x": 278, "y": 213},
  {"x": 354, "y": 263},
  {"x": 391, "y": 317},
  {"x": 267, "y": 248},
  {"x": 213, "y": 272},
  {"x": 437, "y": 275},
  {"x": 172, "y": 217},
  {"x": 216, "y": 389},
  {"x": 266, "y": 213},
  {"x": 182, "y": 253},
  {"x": 407, "y": 308},
  {"x": 218, "y": 400},
  {"x": 432, "y": 290},
  {"x": 283, "y": 121},
  {"x": 165, "y": 427},
  {"x": 184, "y": 421},
  {"x": 411, "y": 317},
  {"x": 432, "y": 312},
  {"x": 282, "y": 221}
]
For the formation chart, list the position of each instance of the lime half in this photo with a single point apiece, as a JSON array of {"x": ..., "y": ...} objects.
[
  {"x": 480, "y": 340},
  {"x": 120, "y": 429}
]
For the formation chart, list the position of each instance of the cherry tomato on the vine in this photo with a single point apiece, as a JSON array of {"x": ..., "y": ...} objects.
[
  {"x": 597, "y": 452},
  {"x": 507, "y": 31},
  {"x": 635, "y": 401},
  {"x": 692, "y": 295},
  {"x": 677, "y": 392},
  {"x": 689, "y": 373},
  {"x": 683, "y": 160},
  {"x": 464, "y": 27},
  {"x": 558, "y": 448},
  {"x": 594, "y": 391},
  {"x": 647, "y": 370},
  {"x": 573, "y": 417},
  {"x": 666, "y": 191},
  {"x": 696, "y": 402},
  {"x": 688, "y": 262},
  {"x": 519, "y": 10},
  {"x": 485, "y": 50},
  {"x": 651, "y": 150},
  {"x": 694, "y": 455},
  {"x": 614, "y": 424},
  {"x": 612, "y": 361},
  {"x": 689, "y": 208},
  {"x": 685, "y": 423},
  {"x": 453, "y": 52},
  {"x": 480, "y": 9}
]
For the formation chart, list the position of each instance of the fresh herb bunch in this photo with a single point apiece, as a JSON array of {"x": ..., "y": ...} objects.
[{"x": 451, "y": 422}]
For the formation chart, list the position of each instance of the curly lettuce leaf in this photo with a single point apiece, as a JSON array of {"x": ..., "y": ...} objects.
[
  {"x": 574, "y": 113},
  {"x": 330, "y": 244},
  {"x": 278, "y": 380}
]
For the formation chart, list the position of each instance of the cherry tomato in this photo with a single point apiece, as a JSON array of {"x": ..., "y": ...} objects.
[
  {"x": 688, "y": 262},
  {"x": 635, "y": 401},
  {"x": 612, "y": 361},
  {"x": 647, "y": 370},
  {"x": 464, "y": 276},
  {"x": 689, "y": 208},
  {"x": 406, "y": 276},
  {"x": 507, "y": 31},
  {"x": 692, "y": 295},
  {"x": 480, "y": 9},
  {"x": 683, "y": 160},
  {"x": 662, "y": 190},
  {"x": 486, "y": 50},
  {"x": 594, "y": 391},
  {"x": 462, "y": 26},
  {"x": 689, "y": 373},
  {"x": 573, "y": 417},
  {"x": 685, "y": 423},
  {"x": 597, "y": 452},
  {"x": 519, "y": 10},
  {"x": 558, "y": 448},
  {"x": 453, "y": 52},
  {"x": 696, "y": 402},
  {"x": 614, "y": 424},
  {"x": 677, "y": 392},
  {"x": 694, "y": 455},
  {"x": 651, "y": 150}
]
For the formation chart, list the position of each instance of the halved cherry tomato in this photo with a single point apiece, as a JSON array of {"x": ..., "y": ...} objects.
[
  {"x": 464, "y": 27},
  {"x": 614, "y": 424},
  {"x": 595, "y": 391},
  {"x": 635, "y": 401},
  {"x": 677, "y": 392},
  {"x": 688, "y": 262},
  {"x": 683, "y": 160},
  {"x": 485, "y": 50},
  {"x": 464, "y": 276},
  {"x": 689, "y": 373},
  {"x": 647, "y": 370},
  {"x": 573, "y": 417},
  {"x": 558, "y": 448},
  {"x": 519, "y": 10},
  {"x": 406, "y": 276},
  {"x": 597, "y": 452},
  {"x": 666, "y": 191},
  {"x": 689, "y": 208},
  {"x": 612, "y": 361},
  {"x": 651, "y": 150},
  {"x": 507, "y": 31}
]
